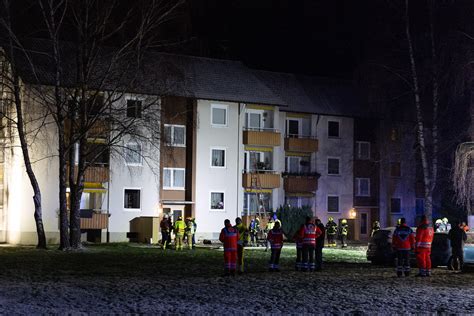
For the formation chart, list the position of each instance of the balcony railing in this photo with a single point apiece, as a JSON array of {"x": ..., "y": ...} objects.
[
  {"x": 99, "y": 130},
  {"x": 94, "y": 173},
  {"x": 94, "y": 219},
  {"x": 261, "y": 179},
  {"x": 300, "y": 143},
  {"x": 261, "y": 137},
  {"x": 294, "y": 183}
]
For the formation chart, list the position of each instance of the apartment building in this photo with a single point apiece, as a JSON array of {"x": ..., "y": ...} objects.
[{"x": 234, "y": 142}]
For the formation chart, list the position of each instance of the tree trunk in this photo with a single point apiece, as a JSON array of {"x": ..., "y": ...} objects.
[{"x": 420, "y": 126}]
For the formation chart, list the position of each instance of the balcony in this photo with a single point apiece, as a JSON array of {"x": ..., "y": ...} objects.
[
  {"x": 300, "y": 183},
  {"x": 94, "y": 219},
  {"x": 301, "y": 144},
  {"x": 99, "y": 130},
  {"x": 97, "y": 173},
  {"x": 261, "y": 180},
  {"x": 261, "y": 137}
]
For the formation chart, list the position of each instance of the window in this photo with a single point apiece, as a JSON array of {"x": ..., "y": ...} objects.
[
  {"x": 217, "y": 158},
  {"x": 292, "y": 128},
  {"x": 333, "y": 204},
  {"x": 363, "y": 150},
  {"x": 333, "y": 166},
  {"x": 297, "y": 165},
  {"x": 134, "y": 108},
  {"x": 173, "y": 178},
  {"x": 363, "y": 187},
  {"x": 254, "y": 119},
  {"x": 217, "y": 200},
  {"x": 333, "y": 129},
  {"x": 395, "y": 169},
  {"x": 256, "y": 203},
  {"x": 420, "y": 207},
  {"x": 133, "y": 154},
  {"x": 301, "y": 201},
  {"x": 395, "y": 205},
  {"x": 132, "y": 199},
  {"x": 219, "y": 115},
  {"x": 175, "y": 135}
]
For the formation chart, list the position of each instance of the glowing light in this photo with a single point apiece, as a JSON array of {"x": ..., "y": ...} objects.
[{"x": 352, "y": 213}]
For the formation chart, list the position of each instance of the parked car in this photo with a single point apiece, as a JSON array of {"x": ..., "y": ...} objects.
[{"x": 379, "y": 250}]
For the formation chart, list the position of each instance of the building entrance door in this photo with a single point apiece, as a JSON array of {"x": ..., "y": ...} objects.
[{"x": 364, "y": 225}]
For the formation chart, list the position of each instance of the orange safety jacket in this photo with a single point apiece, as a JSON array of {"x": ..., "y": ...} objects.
[
  {"x": 229, "y": 237},
  {"x": 424, "y": 236},
  {"x": 309, "y": 232},
  {"x": 275, "y": 237},
  {"x": 403, "y": 238}
]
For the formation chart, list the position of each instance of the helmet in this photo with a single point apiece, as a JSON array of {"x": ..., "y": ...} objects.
[
  {"x": 343, "y": 221},
  {"x": 165, "y": 216},
  {"x": 445, "y": 220},
  {"x": 238, "y": 220},
  {"x": 180, "y": 218},
  {"x": 439, "y": 221},
  {"x": 399, "y": 221},
  {"x": 330, "y": 218}
]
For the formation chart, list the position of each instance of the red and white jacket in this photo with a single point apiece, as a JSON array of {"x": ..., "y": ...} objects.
[
  {"x": 403, "y": 238},
  {"x": 424, "y": 237},
  {"x": 308, "y": 233},
  {"x": 275, "y": 237},
  {"x": 229, "y": 237}
]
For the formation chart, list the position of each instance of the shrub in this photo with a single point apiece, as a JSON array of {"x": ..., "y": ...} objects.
[{"x": 292, "y": 218}]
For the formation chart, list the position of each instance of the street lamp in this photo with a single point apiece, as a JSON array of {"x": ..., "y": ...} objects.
[{"x": 352, "y": 213}]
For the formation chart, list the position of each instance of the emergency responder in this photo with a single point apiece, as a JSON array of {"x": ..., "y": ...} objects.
[
  {"x": 309, "y": 232},
  {"x": 194, "y": 230},
  {"x": 229, "y": 237},
  {"x": 403, "y": 240},
  {"x": 424, "y": 238},
  {"x": 268, "y": 228},
  {"x": 242, "y": 242},
  {"x": 446, "y": 224},
  {"x": 170, "y": 225},
  {"x": 331, "y": 231},
  {"x": 299, "y": 250},
  {"x": 179, "y": 228},
  {"x": 275, "y": 237},
  {"x": 253, "y": 232},
  {"x": 189, "y": 232},
  {"x": 439, "y": 227},
  {"x": 458, "y": 237},
  {"x": 375, "y": 228},
  {"x": 165, "y": 231},
  {"x": 343, "y": 231},
  {"x": 319, "y": 245},
  {"x": 465, "y": 227}
]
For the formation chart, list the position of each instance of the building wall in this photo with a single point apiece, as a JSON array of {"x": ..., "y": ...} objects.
[{"x": 208, "y": 179}]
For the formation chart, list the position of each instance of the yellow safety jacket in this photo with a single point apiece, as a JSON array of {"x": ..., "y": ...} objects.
[
  {"x": 244, "y": 236},
  {"x": 179, "y": 227}
]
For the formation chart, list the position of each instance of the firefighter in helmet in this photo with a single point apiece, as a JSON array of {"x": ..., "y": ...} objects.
[
  {"x": 331, "y": 231},
  {"x": 343, "y": 230}
]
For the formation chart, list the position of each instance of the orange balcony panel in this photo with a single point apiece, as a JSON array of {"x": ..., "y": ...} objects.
[
  {"x": 97, "y": 221},
  {"x": 306, "y": 145},
  {"x": 261, "y": 138},
  {"x": 261, "y": 180},
  {"x": 97, "y": 174},
  {"x": 298, "y": 184}
]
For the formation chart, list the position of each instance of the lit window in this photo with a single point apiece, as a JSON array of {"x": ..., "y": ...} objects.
[
  {"x": 333, "y": 129},
  {"x": 173, "y": 178},
  {"x": 333, "y": 166},
  {"x": 217, "y": 200},
  {"x": 134, "y": 108},
  {"x": 333, "y": 204},
  {"x": 175, "y": 135},
  {"x": 219, "y": 115},
  {"x": 133, "y": 154},
  {"x": 217, "y": 157},
  {"x": 132, "y": 199}
]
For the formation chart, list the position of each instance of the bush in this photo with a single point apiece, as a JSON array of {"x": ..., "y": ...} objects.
[{"x": 292, "y": 218}]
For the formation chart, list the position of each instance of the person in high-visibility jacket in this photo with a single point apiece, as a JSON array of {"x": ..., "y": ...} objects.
[
  {"x": 331, "y": 231},
  {"x": 229, "y": 236},
  {"x": 343, "y": 231},
  {"x": 423, "y": 240},
  {"x": 403, "y": 240},
  {"x": 179, "y": 228},
  {"x": 309, "y": 232},
  {"x": 189, "y": 233},
  {"x": 275, "y": 237},
  {"x": 244, "y": 238}
]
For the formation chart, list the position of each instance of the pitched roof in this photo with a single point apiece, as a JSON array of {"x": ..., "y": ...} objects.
[{"x": 194, "y": 77}]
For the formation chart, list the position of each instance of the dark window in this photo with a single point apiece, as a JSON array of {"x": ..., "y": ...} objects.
[
  {"x": 97, "y": 154},
  {"x": 134, "y": 108},
  {"x": 395, "y": 205},
  {"x": 132, "y": 198},
  {"x": 293, "y": 128},
  {"x": 363, "y": 150},
  {"x": 333, "y": 166},
  {"x": 333, "y": 129},
  {"x": 333, "y": 204},
  {"x": 395, "y": 169}
]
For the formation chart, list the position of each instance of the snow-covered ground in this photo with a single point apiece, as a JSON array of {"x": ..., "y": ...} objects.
[{"x": 191, "y": 283}]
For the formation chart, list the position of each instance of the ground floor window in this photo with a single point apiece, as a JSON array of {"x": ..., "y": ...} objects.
[
  {"x": 256, "y": 203},
  {"x": 333, "y": 204},
  {"x": 132, "y": 199},
  {"x": 217, "y": 200},
  {"x": 299, "y": 201},
  {"x": 395, "y": 205}
]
